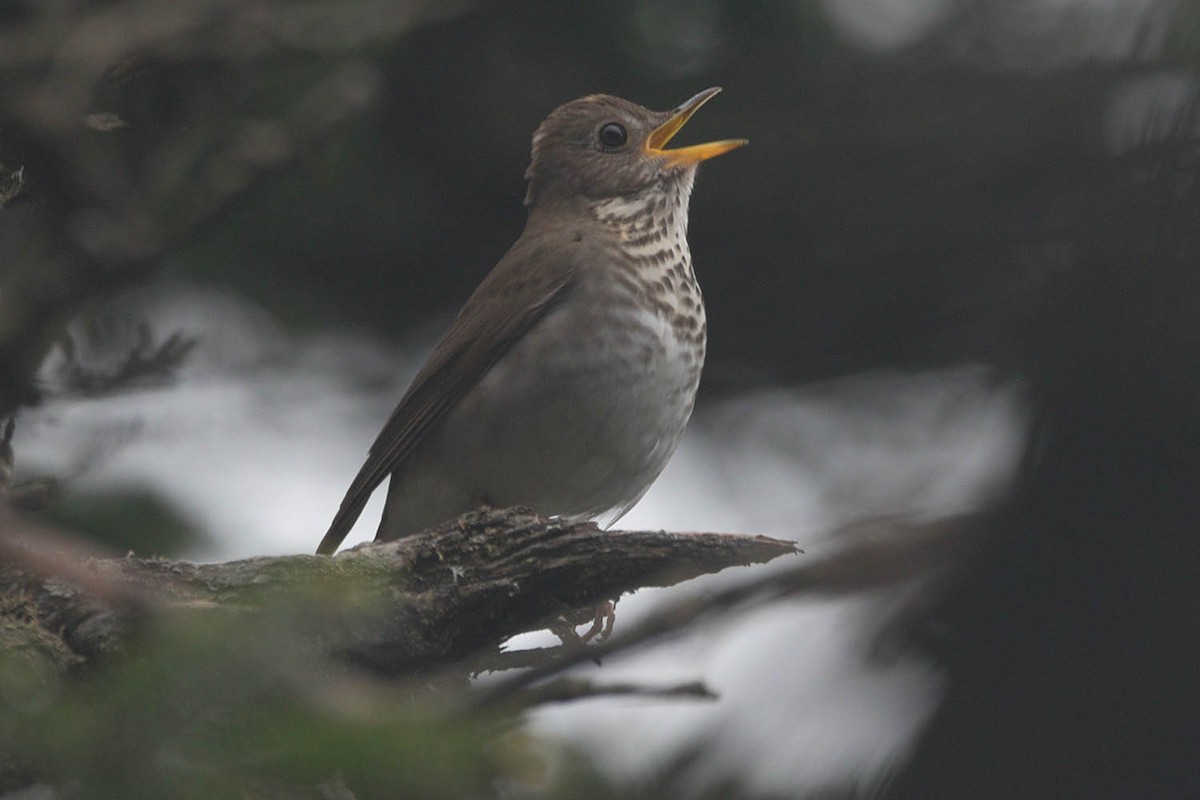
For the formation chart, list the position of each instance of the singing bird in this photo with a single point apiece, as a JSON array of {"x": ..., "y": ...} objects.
[{"x": 567, "y": 379}]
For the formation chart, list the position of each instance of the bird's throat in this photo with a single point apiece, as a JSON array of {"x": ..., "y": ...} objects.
[{"x": 650, "y": 230}]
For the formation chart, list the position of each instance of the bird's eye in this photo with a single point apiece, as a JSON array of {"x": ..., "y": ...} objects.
[{"x": 613, "y": 135}]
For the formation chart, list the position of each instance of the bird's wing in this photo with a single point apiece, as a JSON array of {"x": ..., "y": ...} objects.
[{"x": 504, "y": 307}]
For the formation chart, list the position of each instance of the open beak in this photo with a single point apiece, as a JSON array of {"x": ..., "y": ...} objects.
[{"x": 681, "y": 157}]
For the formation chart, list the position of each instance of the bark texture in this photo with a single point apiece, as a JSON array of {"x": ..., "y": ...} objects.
[{"x": 405, "y": 607}]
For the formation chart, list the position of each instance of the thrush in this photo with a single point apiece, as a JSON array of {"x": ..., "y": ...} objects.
[{"x": 567, "y": 379}]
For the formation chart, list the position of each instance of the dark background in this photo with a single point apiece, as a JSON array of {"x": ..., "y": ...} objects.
[{"x": 894, "y": 209}]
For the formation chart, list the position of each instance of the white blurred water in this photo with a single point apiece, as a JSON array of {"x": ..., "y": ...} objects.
[
  {"x": 803, "y": 706},
  {"x": 262, "y": 434}
]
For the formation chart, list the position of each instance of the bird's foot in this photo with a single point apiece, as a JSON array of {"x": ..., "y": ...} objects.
[{"x": 602, "y": 618}]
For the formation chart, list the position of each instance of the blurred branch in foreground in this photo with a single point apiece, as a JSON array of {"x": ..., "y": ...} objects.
[{"x": 425, "y": 610}]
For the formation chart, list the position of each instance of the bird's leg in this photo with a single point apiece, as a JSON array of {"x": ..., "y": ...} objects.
[
  {"x": 603, "y": 619},
  {"x": 564, "y": 629}
]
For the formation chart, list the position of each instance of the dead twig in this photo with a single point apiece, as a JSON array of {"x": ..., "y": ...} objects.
[
  {"x": 567, "y": 690},
  {"x": 873, "y": 556}
]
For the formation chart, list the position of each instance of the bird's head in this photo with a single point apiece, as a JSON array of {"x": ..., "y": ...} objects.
[{"x": 600, "y": 147}]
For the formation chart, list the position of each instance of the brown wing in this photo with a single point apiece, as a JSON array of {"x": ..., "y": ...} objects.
[{"x": 510, "y": 301}]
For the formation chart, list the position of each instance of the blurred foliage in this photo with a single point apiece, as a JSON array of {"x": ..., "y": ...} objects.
[
  {"x": 205, "y": 708},
  {"x": 133, "y": 520},
  {"x": 1069, "y": 649}
]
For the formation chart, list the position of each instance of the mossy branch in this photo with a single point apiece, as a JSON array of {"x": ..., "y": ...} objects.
[{"x": 414, "y": 606}]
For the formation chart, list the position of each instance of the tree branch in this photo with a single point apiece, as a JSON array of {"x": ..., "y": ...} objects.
[
  {"x": 414, "y": 606},
  {"x": 874, "y": 554}
]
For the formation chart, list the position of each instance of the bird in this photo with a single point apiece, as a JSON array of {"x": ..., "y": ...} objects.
[{"x": 567, "y": 379}]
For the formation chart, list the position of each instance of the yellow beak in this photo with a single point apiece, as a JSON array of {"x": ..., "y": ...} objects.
[{"x": 684, "y": 156}]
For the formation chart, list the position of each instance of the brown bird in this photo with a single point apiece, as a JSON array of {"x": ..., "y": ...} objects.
[{"x": 567, "y": 379}]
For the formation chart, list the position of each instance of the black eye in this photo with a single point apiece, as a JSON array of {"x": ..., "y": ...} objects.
[{"x": 612, "y": 135}]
